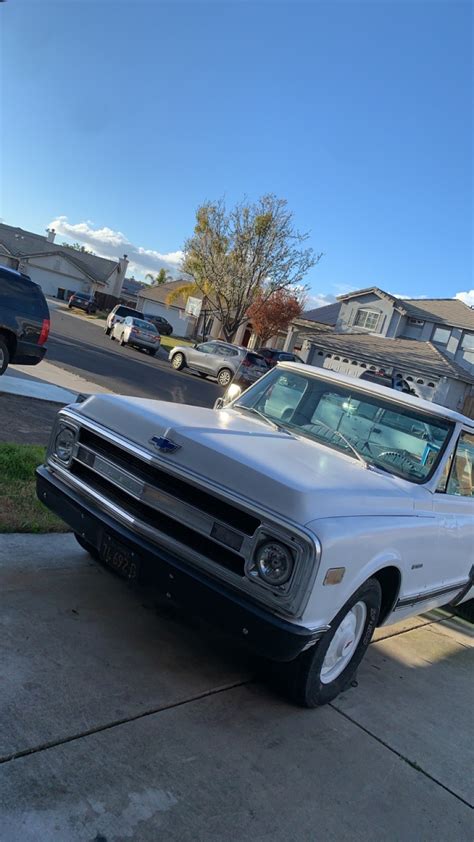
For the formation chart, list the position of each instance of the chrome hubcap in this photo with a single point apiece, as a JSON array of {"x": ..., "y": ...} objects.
[{"x": 344, "y": 643}]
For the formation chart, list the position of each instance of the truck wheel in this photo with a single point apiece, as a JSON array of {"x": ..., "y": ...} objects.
[
  {"x": 107, "y": 331},
  {"x": 224, "y": 377},
  {"x": 89, "y": 548},
  {"x": 178, "y": 362},
  {"x": 4, "y": 355},
  {"x": 122, "y": 341},
  {"x": 322, "y": 672}
]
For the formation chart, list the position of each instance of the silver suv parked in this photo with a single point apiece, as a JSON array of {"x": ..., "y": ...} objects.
[{"x": 217, "y": 359}]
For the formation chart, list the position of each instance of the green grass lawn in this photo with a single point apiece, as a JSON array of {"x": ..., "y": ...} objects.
[
  {"x": 169, "y": 342},
  {"x": 20, "y": 511},
  {"x": 100, "y": 314}
]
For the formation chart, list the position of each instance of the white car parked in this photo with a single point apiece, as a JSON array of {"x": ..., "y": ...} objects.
[{"x": 300, "y": 517}]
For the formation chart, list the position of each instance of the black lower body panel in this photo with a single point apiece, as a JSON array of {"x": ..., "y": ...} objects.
[
  {"x": 28, "y": 353},
  {"x": 265, "y": 633}
]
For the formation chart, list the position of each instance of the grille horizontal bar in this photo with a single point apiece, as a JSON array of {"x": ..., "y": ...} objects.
[
  {"x": 179, "y": 488},
  {"x": 162, "y": 523}
]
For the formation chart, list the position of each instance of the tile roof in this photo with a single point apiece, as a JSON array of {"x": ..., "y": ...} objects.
[
  {"x": 160, "y": 292},
  {"x": 403, "y": 353},
  {"x": 21, "y": 243},
  {"x": 448, "y": 311},
  {"x": 326, "y": 315},
  {"x": 131, "y": 285}
]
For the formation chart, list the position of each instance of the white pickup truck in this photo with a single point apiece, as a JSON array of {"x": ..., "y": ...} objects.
[{"x": 298, "y": 518}]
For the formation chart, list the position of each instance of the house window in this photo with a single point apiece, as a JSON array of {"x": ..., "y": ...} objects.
[
  {"x": 417, "y": 322},
  {"x": 367, "y": 319},
  {"x": 442, "y": 335},
  {"x": 467, "y": 343}
]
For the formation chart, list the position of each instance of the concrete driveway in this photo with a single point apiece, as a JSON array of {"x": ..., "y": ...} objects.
[{"x": 120, "y": 721}]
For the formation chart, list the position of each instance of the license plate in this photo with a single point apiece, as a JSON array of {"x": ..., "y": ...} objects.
[{"x": 120, "y": 558}]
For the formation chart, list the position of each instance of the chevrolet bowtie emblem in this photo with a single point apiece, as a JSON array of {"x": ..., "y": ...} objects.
[{"x": 164, "y": 445}]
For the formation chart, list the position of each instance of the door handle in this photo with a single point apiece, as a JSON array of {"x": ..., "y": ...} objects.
[{"x": 376, "y": 430}]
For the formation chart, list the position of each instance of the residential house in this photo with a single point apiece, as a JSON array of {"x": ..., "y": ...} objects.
[
  {"x": 60, "y": 270},
  {"x": 428, "y": 342},
  {"x": 130, "y": 290},
  {"x": 153, "y": 301}
]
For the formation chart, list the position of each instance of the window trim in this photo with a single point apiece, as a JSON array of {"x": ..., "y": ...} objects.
[
  {"x": 450, "y": 462},
  {"x": 368, "y": 311},
  {"x": 470, "y": 334},
  {"x": 449, "y": 330}
]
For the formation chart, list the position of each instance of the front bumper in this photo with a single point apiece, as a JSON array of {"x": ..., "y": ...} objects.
[{"x": 264, "y": 632}]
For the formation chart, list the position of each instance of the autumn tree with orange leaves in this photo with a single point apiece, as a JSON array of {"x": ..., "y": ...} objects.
[{"x": 272, "y": 314}]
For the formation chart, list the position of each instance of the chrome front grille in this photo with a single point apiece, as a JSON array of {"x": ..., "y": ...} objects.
[
  {"x": 179, "y": 488},
  {"x": 157, "y": 519},
  {"x": 183, "y": 513},
  {"x": 179, "y": 514}
]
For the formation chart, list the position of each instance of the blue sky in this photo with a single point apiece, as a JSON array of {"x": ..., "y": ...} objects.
[{"x": 119, "y": 118}]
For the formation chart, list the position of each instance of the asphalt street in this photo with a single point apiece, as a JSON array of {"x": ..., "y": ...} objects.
[{"x": 82, "y": 347}]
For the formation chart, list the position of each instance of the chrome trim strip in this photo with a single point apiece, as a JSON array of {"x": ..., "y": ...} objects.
[
  {"x": 162, "y": 501},
  {"x": 405, "y": 601}
]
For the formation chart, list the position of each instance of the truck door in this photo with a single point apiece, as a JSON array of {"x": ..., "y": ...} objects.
[{"x": 454, "y": 508}]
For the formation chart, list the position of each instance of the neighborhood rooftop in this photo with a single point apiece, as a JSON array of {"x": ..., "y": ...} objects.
[
  {"x": 160, "y": 292},
  {"x": 322, "y": 315},
  {"x": 20, "y": 243},
  {"x": 401, "y": 353},
  {"x": 450, "y": 311}
]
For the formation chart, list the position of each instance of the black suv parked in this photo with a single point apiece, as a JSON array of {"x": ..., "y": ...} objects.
[
  {"x": 162, "y": 325},
  {"x": 24, "y": 320}
]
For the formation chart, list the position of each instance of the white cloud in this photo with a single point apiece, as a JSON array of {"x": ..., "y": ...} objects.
[
  {"x": 113, "y": 244},
  {"x": 467, "y": 297},
  {"x": 321, "y": 300}
]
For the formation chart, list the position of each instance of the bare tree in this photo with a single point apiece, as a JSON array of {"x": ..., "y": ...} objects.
[{"x": 252, "y": 249}]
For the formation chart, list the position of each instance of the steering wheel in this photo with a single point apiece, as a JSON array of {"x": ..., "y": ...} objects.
[{"x": 400, "y": 459}]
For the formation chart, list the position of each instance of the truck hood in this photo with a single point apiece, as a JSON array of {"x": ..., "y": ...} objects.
[{"x": 291, "y": 476}]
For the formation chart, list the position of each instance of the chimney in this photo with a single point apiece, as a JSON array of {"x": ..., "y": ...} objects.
[
  {"x": 51, "y": 235},
  {"x": 120, "y": 277}
]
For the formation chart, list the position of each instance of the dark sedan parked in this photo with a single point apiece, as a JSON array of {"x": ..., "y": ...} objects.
[
  {"x": 24, "y": 320},
  {"x": 82, "y": 301}
]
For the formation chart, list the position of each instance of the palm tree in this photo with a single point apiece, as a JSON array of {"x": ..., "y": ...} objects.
[
  {"x": 189, "y": 289},
  {"x": 161, "y": 278}
]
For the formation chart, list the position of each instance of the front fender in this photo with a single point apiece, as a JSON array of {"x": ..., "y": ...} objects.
[{"x": 364, "y": 547}]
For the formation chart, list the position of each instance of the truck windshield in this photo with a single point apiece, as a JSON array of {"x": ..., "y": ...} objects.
[{"x": 397, "y": 438}]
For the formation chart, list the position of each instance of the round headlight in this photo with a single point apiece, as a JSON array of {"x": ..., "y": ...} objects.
[
  {"x": 274, "y": 563},
  {"x": 64, "y": 444}
]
